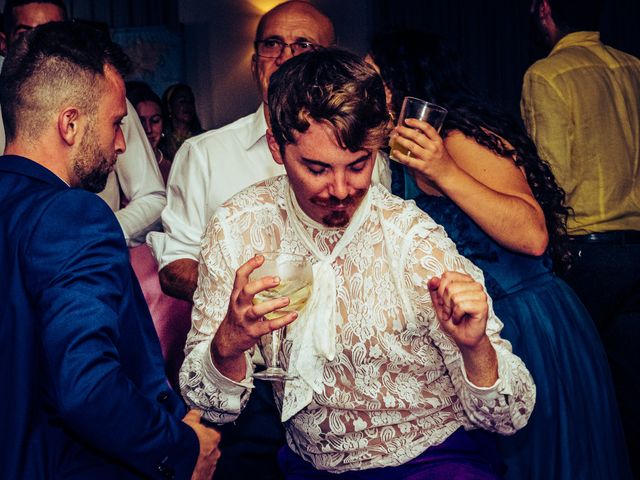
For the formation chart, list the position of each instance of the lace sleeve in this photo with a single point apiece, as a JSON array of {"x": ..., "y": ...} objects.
[
  {"x": 504, "y": 407},
  {"x": 202, "y": 386}
]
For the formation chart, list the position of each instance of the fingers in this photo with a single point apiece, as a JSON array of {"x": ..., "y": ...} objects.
[
  {"x": 472, "y": 307},
  {"x": 455, "y": 295},
  {"x": 422, "y": 126},
  {"x": 414, "y": 147},
  {"x": 249, "y": 289},
  {"x": 192, "y": 416},
  {"x": 243, "y": 272},
  {"x": 436, "y": 299},
  {"x": 268, "y": 326},
  {"x": 261, "y": 309}
]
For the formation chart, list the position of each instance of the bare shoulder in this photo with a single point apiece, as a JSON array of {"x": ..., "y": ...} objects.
[{"x": 481, "y": 162}]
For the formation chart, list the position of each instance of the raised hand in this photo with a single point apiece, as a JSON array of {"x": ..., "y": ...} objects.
[
  {"x": 427, "y": 155},
  {"x": 462, "y": 309},
  {"x": 461, "y": 306}
]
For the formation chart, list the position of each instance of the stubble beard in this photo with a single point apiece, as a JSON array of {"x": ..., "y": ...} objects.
[
  {"x": 340, "y": 218},
  {"x": 91, "y": 164}
]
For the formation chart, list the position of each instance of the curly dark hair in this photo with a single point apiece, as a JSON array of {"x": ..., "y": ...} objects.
[
  {"x": 418, "y": 64},
  {"x": 331, "y": 85}
]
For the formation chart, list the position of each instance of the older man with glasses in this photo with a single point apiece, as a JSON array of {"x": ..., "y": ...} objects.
[
  {"x": 209, "y": 169},
  {"x": 212, "y": 167}
]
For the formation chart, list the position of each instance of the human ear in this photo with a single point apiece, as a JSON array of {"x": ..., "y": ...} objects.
[
  {"x": 254, "y": 66},
  {"x": 274, "y": 147},
  {"x": 68, "y": 125}
]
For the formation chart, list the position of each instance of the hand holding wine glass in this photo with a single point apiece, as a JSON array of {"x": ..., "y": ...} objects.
[
  {"x": 243, "y": 325},
  {"x": 296, "y": 277}
]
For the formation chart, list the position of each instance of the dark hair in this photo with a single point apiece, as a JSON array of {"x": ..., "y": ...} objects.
[
  {"x": 195, "y": 126},
  {"x": 333, "y": 86},
  {"x": 416, "y": 63},
  {"x": 53, "y": 64},
  {"x": 576, "y": 15},
  {"x": 10, "y": 19},
  {"x": 138, "y": 91}
]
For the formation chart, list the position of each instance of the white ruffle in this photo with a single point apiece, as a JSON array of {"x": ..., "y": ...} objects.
[{"x": 313, "y": 335}]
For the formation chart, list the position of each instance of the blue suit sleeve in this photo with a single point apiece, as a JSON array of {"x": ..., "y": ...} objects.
[{"x": 82, "y": 287}]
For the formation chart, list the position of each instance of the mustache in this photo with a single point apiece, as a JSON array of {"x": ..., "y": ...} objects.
[{"x": 339, "y": 202}]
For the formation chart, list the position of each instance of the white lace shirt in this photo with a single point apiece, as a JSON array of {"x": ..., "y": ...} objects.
[{"x": 394, "y": 383}]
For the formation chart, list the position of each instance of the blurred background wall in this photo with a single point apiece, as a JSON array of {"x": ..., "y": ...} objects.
[{"x": 208, "y": 43}]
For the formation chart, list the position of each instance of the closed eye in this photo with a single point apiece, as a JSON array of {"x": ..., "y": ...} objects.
[
  {"x": 316, "y": 169},
  {"x": 359, "y": 165}
]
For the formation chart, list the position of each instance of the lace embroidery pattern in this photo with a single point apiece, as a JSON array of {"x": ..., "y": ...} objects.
[{"x": 396, "y": 385}]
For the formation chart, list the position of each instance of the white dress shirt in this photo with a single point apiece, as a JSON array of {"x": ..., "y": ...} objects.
[
  {"x": 208, "y": 170},
  {"x": 138, "y": 177},
  {"x": 392, "y": 383}
]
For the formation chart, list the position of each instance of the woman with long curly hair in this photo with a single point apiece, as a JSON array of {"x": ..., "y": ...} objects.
[{"x": 483, "y": 180}]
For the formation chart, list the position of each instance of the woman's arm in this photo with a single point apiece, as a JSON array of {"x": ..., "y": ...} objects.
[{"x": 489, "y": 188}]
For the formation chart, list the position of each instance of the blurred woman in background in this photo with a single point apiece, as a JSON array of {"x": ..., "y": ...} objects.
[
  {"x": 181, "y": 119},
  {"x": 484, "y": 182},
  {"x": 149, "y": 109}
]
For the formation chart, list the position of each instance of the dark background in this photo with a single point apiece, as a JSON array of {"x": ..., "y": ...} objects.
[
  {"x": 493, "y": 39},
  {"x": 214, "y": 39}
]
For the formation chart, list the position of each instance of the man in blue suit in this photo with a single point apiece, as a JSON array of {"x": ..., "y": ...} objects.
[{"x": 85, "y": 394}]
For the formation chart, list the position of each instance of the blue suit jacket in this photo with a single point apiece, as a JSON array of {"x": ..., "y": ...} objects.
[{"x": 84, "y": 393}]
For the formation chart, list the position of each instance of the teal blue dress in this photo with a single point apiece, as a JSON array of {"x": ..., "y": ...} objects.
[{"x": 575, "y": 430}]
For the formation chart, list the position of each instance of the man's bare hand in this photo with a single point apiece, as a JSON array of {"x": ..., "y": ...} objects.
[
  {"x": 462, "y": 308},
  {"x": 208, "y": 438},
  {"x": 243, "y": 325}
]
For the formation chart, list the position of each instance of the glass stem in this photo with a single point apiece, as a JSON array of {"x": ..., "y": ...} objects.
[{"x": 275, "y": 348}]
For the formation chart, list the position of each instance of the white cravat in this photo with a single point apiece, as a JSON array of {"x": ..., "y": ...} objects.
[{"x": 313, "y": 335}]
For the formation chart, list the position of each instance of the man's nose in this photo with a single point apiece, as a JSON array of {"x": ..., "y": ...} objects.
[
  {"x": 285, "y": 54},
  {"x": 121, "y": 144},
  {"x": 339, "y": 188}
]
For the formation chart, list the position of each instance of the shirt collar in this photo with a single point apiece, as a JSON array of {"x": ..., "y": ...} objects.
[
  {"x": 258, "y": 128},
  {"x": 577, "y": 39}
]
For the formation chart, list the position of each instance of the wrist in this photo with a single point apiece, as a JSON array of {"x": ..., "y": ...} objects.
[
  {"x": 229, "y": 361},
  {"x": 448, "y": 175},
  {"x": 482, "y": 346},
  {"x": 222, "y": 353},
  {"x": 480, "y": 362}
]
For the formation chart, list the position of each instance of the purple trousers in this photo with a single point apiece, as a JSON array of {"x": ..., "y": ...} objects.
[{"x": 462, "y": 456}]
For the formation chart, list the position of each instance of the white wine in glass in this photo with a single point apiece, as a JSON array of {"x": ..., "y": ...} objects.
[{"x": 296, "y": 280}]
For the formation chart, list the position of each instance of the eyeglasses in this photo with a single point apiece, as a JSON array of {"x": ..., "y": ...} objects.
[{"x": 272, "y": 48}]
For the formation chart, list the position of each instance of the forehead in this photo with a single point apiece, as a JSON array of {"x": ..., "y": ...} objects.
[
  {"x": 181, "y": 94},
  {"x": 294, "y": 23},
  {"x": 320, "y": 143},
  {"x": 34, "y": 14},
  {"x": 148, "y": 108}
]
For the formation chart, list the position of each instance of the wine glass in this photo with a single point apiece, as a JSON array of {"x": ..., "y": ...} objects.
[{"x": 296, "y": 279}]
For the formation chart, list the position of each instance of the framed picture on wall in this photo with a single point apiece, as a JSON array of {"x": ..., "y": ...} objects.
[{"x": 156, "y": 53}]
